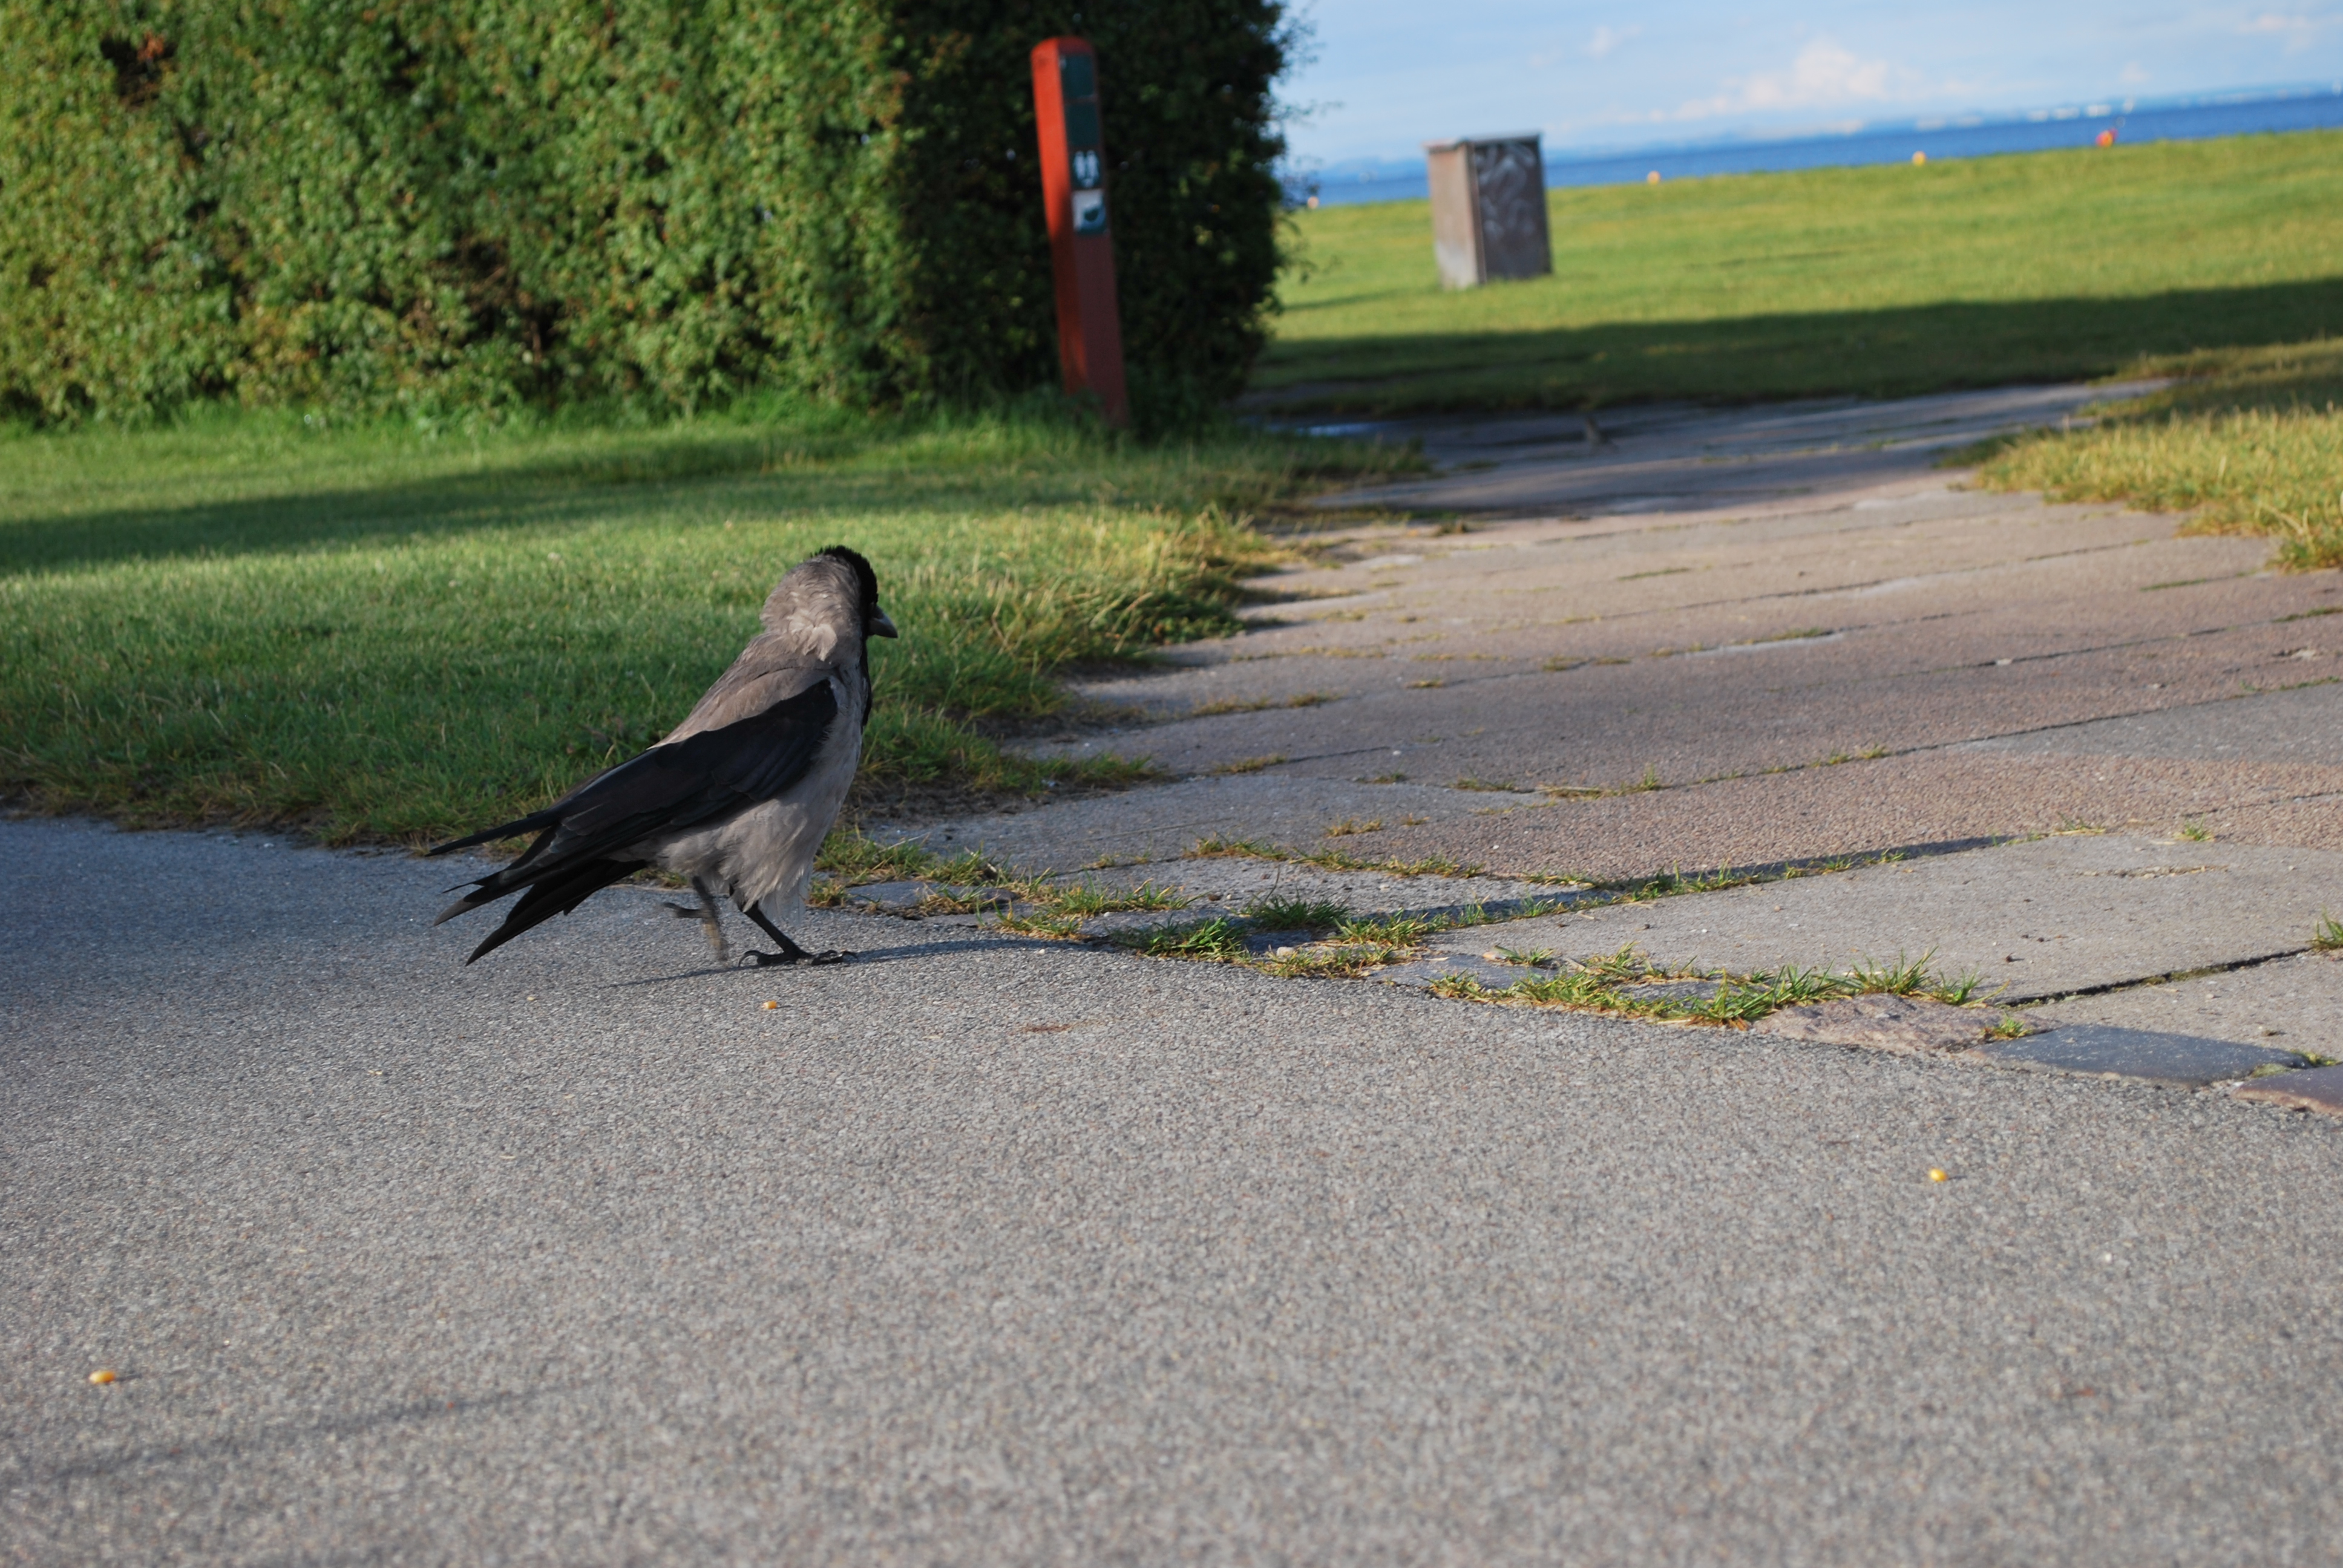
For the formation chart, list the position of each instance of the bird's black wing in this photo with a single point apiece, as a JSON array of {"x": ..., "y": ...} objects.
[{"x": 675, "y": 785}]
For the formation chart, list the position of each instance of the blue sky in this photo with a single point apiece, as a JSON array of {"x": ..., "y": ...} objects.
[{"x": 1388, "y": 75}]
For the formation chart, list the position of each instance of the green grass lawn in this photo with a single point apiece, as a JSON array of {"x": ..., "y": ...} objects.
[
  {"x": 1877, "y": 281},
  {"x": 2246, "y": 440},
  {"x": 377, "y": 634}
]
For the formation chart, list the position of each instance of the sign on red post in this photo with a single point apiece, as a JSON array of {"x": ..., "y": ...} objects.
[{"x": 1081, "y": 254}]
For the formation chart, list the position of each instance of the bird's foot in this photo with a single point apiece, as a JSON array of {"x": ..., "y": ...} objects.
[
  {"x": 783, "y": 961},
  {"x": 710, "y": 921}
]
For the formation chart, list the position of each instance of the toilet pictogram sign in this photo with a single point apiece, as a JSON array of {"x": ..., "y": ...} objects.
[{"x": 1082, "y": 249}]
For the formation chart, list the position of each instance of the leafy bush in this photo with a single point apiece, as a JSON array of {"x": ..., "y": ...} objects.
[{"x": 441, "y": 205}]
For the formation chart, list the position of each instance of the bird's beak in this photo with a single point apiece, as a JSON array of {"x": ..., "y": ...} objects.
[{"x": 880, "y": 626}]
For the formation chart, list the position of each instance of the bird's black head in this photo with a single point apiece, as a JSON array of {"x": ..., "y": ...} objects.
[{"x": 874, "y": 620}]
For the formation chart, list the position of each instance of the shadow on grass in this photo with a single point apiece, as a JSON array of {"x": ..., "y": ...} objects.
[
  {"x": 1879, "y": 353},
  {"x": 85, "y": 499},
  {"x": 517, "y": 494}
]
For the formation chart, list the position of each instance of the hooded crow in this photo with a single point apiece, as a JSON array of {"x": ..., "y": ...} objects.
[{"x": 738, "y": 797}]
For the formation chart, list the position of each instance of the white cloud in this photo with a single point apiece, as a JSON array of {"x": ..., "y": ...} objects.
[
  {"x": 2299, "y": 29},
  {"x": 1606, "y": 39},
  {"x": 1825, "y": 73},
  {"x": 2133, "y": 74}
]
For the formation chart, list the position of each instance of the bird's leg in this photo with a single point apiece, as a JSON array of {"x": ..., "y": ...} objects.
[
  {"x": 791, "y": 952},
  {"x": 710, "y": 919}
]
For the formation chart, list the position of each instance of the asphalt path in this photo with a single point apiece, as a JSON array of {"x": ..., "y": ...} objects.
[{"x": 986, "y": 1251}]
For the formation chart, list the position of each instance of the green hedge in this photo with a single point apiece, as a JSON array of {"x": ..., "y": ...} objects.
[{"x": 459, "y": 204}]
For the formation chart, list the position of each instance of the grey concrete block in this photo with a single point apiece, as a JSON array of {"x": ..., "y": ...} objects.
[
  {"x": 2180, "y": 1060},
  {"x": 2037, "y": 920}
]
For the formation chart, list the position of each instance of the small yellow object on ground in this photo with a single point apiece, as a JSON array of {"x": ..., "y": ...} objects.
[
  {"x": 1919, "y": 158},
  {"x": 771, "y": 1005},
  {"x": 103, "y": 1374},
  {"x": 1939, "y": 1176}
]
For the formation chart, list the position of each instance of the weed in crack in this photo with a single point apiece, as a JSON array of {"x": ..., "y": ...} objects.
[
  {"x": 1233, "y": 705},
  {"x": 1051, "y": 928},
  {"x": 1216, "y": 848},
  {"x": 1902, "y": 977},
  {"x": 1285, "y": 914},
  {"x": 1611, "y": 982},
  {"x": 1218, "y": 939},
  {"x": 1088, "y": 899}
]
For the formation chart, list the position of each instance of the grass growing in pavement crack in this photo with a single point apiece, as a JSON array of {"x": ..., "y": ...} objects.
[
  {"x": 2327, "y": 937},
  {"x": 1217, "y": 847},
  {"x": 1606, "y": 985},
  {"x": 1348, "y": 944},
  {"x": 967, "y": 883},
  {"x": 1284, "y": 914},
  {"x": 1341, "y": 944}
]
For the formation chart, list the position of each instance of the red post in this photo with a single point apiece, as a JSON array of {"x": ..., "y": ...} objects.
[{"x": 1081, "y": 254}]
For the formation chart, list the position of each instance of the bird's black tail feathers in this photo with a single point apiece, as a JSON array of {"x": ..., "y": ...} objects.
[
  {"x": 534, "y": 822},
  {"x": 560, "y": 891}
]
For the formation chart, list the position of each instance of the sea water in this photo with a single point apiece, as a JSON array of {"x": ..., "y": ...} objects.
[{"x": 1969, "y": 136}]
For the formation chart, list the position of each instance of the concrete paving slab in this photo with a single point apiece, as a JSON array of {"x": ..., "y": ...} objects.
[
  {"x": 1229, "y": 882},
  {"x": 1162, "y": 822},
  {"x": 2304, "y": 726},
  {"x": 2035, "y": 920},
  {"x": 1864, "y": 807},
  {"x": 2296, "y": 1003},
  {"x": 1667, "y": 455},
  {"x": 2320, "y": 1089},
  {"x": 2141, "y": 1056}
]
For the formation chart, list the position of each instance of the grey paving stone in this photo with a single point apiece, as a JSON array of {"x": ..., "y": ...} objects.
[
  {"x": 1902, "y": 1024},
  {"x": 1675, "y": 456},
  {"x": 2320, "y": 1089},
  {"x": 2035, "y": 921},
  {"x": 1165, "y": 822},
  {"x": 2294, "y": 1003},
  {"x": 2301, "y": 725},
  {"x": 2180, "y": 1061}
]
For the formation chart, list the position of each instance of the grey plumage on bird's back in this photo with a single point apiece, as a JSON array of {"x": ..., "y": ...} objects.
[{"x": 738, "y": 797}]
